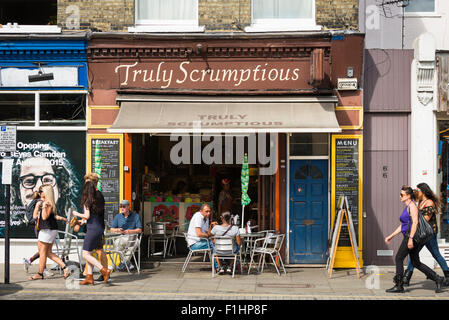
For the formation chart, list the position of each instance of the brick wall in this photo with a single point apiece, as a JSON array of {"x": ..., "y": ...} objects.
[{"x": 215, "y": 15}]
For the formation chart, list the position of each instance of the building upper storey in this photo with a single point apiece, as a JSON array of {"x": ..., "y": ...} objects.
[{"x": 178, "y": 15}]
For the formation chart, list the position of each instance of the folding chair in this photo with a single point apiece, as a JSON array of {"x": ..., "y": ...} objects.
[
  {"x": 192, "y": 252},
  {"x": 225, "y": 248},
  {"x": 124, "y": 247}
]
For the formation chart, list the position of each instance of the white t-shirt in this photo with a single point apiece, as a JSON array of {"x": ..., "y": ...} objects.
[{"x": 197, "y": 221}]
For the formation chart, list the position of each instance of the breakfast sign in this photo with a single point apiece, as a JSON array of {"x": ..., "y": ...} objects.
[{"x": 230, "y": 75}]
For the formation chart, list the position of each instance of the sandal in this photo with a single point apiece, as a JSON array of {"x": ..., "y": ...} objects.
[
  {"x": 66, "y": 272},
  {"x": 41, "y": 275}
]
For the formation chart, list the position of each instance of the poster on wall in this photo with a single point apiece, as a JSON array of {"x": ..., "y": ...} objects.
[
  {"x": 105, "y": 158},
  {"x": 346, "y": 180},
  {"x": 44, "y": 157}
]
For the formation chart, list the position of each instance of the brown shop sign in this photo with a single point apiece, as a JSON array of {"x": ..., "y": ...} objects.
[{"x": 229, "y": 75}]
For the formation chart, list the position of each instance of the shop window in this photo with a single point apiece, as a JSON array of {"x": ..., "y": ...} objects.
[
  {"x": 309, "y": 144},
  {"x": 28, "y": 15},
  {"x": 62, "y": 109},
  {"x": 166, "y": 16},
  {"x": 427, "y": 6},
  {"x": 17, "y": 109},
  {"x": 282, "y": 15},
  {"x": 43, "y": 109}
]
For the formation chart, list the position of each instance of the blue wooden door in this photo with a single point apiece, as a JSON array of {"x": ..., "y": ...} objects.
[{"x": 308, "y": 221}]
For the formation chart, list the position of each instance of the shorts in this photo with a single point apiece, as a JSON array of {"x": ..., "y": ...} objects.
[{"x": 47, "y": 235}]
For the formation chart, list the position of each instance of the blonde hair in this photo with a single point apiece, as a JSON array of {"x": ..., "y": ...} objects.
[
  {"x": 91, "y": 176},
  {"x": 49, "y": 196}
]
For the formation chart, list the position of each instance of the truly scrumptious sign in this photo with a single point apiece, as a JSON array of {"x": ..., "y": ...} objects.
[{"x": 212, "y": 75}]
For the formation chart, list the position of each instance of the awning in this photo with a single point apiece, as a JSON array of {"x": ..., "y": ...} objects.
[{"x": 169, "y": 114}]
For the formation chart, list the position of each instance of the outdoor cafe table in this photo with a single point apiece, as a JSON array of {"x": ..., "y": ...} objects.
[{"x": 248, "y": 243}]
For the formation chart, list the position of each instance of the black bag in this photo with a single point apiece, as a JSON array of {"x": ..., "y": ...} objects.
[
  {"x": 29, "y": 211},
  {"x": 424, "y": 230}
]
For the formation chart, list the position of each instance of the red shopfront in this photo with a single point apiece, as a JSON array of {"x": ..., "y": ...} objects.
[{"x": 273, "y": 98}]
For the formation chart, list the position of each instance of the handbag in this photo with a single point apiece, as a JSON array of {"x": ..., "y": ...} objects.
[{"x": 424, "y": 230}]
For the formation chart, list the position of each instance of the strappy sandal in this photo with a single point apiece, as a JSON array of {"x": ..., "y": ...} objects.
[
  {"x": 66, "y": 272},
  {"x": 38, "y": 274}
]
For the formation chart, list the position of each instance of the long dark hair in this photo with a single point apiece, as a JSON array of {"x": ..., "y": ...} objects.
[
  {"x": 425, "y": 189},
  {"x": 88, "y": 198},
  {"x": 408, "y": 190}
]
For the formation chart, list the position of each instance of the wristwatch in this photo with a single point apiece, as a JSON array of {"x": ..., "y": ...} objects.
[{"x": 410, "y": 237}]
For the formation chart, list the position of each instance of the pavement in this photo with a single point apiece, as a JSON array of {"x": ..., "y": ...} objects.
[{"x": 163, "y": 280}]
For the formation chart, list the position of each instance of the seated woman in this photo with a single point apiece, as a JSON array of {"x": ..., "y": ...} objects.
[{"x": 228, "y": 230}]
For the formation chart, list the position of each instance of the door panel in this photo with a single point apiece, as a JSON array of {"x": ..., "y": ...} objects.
[{"x": 308, "y": 211}]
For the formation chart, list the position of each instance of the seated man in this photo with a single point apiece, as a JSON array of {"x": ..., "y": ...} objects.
[
  {"x": 196, "y": 235},
  {"x": 127, "y": 222},
  {"x": 226, "y": 229}
]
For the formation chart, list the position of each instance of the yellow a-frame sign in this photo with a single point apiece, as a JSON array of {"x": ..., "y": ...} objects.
[{"x": 343, "y": 212}]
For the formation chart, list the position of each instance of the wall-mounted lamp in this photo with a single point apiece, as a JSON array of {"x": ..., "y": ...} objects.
[
  {"x": 199, "y": 48},
  {"x": 40, "y": 76}
]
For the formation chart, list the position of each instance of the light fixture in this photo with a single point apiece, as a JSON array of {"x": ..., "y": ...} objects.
[{"x": 40, "y": 76}]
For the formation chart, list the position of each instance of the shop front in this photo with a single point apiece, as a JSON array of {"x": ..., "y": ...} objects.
[
  {"x": 188, "y": 110},
  {"x": 43, "y": 92}
]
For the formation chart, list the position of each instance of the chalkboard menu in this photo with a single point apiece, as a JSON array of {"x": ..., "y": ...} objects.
[
  {"x": 347, "y": 181},
  {"x": 105, "y": 161}
]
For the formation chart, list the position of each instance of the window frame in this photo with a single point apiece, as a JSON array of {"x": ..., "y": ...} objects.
[
  {"x": 266, "y": 25},
  {"x": 423, "y": 14},
  {"x": 37, "y": 121},
  {"x": 163, "y": 25}
]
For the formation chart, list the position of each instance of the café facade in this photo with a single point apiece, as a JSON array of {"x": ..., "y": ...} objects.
[{"x": 171, "y": 116}]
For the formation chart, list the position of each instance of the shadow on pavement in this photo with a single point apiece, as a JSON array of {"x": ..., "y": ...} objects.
[{"x": 6, "y": 289}]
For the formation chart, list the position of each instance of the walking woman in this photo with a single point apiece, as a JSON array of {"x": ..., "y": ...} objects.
[
  {"x": 94, "y": 215},
  {"x": 428, "y": 205},
  {"x": 45, "y": 216},
  {"x": 409, "y": 223}
]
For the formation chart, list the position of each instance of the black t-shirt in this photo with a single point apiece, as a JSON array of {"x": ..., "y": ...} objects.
[
  {"x": 99, "y": 199},
  {"x": 50, "y": 223}
]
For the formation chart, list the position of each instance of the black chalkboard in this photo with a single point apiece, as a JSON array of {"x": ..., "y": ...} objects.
[
  {"x": 105, "y": 153},
  {"x": 347, "y": 179}
]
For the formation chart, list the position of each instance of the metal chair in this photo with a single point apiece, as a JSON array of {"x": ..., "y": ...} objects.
[
  {"x": 158, "y": 233},
  {"x": 271, "y": 246},
  {"x": 225, "y": 248},
  {"x": 176, "y": 233},
  {"x": 124, "y": 247},
  {"x": 192, "y": 252},
  {"x": 65, "y": 247}
]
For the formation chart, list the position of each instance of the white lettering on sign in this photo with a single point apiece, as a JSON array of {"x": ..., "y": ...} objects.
[{"x": 165, "y": 76}]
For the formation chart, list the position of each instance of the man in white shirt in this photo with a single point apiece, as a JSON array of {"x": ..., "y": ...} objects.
[{"x": 196, "y": 235}]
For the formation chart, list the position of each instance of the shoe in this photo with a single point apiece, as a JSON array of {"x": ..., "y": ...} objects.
[
  {"x": 26, "y": 264},
  {"x": 105, "y": 273},
  {"x": 439, "y": 281},
  {"x": 48, "y": 273},
  {"x": 121, "y": 267},
  {"x": 228, "y": 270},
  {"x": 221, "y": 270},
  {"x": 446, "y": 275},
  {"x": 398, "y": 288},
  {"x": 89, "y": 280},
  {"x": 407, "y": 276}
]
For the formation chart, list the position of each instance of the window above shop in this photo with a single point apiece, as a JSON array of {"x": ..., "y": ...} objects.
[
  {"x": 309, "y": 144},
  {"x": 282, "y": 15},
  {"x": 28, "y": 16},
  {"x": 166, "y": 16},
  {"x": 43, "y": 109},
  {"x": 415, "y": 6}
]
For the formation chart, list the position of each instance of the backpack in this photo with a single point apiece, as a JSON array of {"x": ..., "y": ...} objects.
[{"x": 29, "y": 211}]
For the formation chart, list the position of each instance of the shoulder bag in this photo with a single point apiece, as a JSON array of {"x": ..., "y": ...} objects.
[{"x": 424, "y": 230}]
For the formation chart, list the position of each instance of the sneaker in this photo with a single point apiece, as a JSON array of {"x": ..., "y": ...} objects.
[
  {"x": 121, "y": 267},
  {"x": 221, "y": 270},
  {"x": 26, "y": 264},
  {"x": 48, "y": 273},
  {"x": 228, "y": 270}
]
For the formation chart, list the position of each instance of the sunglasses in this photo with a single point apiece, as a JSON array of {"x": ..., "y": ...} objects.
[{"x": 403, "y": 194}]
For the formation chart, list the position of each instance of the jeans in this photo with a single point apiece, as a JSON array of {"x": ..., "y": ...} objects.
[
  {"x": 432, "y": 246},
  {"x": 202, "y": 244},
  {"x": 237, "y": 249}
]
